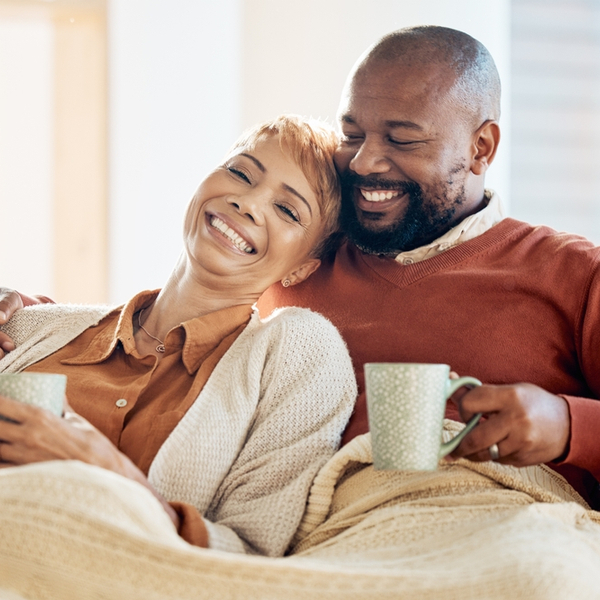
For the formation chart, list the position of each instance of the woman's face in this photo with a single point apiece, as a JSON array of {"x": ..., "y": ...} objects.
[{"x": 254, "y": 219}]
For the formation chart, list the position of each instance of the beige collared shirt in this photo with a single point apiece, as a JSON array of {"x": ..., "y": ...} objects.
[{"x": 471, "y": 227}]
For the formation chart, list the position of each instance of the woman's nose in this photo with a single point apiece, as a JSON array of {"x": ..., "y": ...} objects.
[
  {"x": 370, "y": 158},
  {"x": 249, "y": 205}
]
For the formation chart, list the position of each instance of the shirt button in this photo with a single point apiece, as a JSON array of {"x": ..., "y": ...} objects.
[
  {"x": 121, "y": 403},
  {"x": 408, "y": 261}
]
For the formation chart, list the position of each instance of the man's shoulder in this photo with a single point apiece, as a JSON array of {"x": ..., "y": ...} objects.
[{"x": 560, "y": 243}]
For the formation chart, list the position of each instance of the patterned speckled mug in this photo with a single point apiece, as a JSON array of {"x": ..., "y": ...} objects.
[
  {"x": 406, "y": 404},
  {"x": 46, "y": 390}
]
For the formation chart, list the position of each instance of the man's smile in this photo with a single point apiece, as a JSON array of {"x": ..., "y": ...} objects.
[
  {"x": 378, "y": 200},
  {"x": 378, "y": 195}
]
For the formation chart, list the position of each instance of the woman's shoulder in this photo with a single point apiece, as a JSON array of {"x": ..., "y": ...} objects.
[
  {"x": 296, "y": 327},
  {"x": 296, "y": 317}
]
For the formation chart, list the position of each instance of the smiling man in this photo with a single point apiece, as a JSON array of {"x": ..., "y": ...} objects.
[{"x": 433, "y": 272}]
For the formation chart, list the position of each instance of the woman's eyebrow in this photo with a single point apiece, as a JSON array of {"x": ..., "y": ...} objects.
[
  {"x": 290, "y": 189},
  {"x": 286, "y": 187},
  {"x": 255, "y": 161}
]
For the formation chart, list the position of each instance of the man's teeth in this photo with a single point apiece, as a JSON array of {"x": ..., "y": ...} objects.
[
  {"x": 378, "y": 196},
  {"x": 230, "y": 234}
]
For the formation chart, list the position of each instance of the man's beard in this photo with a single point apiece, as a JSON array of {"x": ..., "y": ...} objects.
[{"x": 423, "y": 221}]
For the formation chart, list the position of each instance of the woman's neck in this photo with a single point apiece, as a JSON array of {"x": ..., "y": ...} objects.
[{"x": 184, "y": 297}]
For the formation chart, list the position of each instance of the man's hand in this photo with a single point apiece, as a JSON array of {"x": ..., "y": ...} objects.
[
  {"x": 529, "y": 425},
  {"x": 10, "y": 301},
  {"x": 36, "y": 435}
]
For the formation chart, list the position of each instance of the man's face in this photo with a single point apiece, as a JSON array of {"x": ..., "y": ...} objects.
[{"x": 404, "y": 157}]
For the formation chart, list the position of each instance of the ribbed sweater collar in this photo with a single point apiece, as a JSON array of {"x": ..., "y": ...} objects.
[{"x": 403, "y": 275}]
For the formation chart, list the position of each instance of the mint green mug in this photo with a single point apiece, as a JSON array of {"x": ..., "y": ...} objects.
[
  {"x": 406, "y": 404},
  {"x": 45, "y": 390}
]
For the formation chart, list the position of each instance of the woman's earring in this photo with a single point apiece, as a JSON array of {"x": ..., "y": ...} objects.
[{"x": 286, "y": 283}]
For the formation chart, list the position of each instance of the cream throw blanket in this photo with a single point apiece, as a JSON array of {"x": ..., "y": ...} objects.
[{"x": 468, "y": 531}]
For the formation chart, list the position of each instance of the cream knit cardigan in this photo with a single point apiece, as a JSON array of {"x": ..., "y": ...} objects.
[{"x": 247, "y": 450}]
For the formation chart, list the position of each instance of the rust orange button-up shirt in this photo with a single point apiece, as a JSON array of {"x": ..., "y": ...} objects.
[{"x": 136, "y": 401}]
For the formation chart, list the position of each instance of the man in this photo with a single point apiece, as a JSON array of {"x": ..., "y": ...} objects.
[{"x": 433, "y": 273}]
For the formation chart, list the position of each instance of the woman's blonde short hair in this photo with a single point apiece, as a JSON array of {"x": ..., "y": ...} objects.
[{"x": 311, "y": 144}]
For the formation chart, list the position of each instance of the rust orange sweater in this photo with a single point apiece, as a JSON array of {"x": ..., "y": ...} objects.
[{"x": 516, "y": 304}]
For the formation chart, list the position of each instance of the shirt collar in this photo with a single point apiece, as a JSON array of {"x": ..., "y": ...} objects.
[
  {"x": 196, "y": 338},
  {"x": 469, "y": 228}
]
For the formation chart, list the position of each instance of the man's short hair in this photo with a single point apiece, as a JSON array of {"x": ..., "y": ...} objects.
[{"x": 477, "y": 83}]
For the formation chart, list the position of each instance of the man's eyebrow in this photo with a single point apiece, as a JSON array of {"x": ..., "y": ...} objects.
[
  {"x": 403, "y": 125},
  {"x": 286, "y": 187},
  {"x": 393, "y": 124}
]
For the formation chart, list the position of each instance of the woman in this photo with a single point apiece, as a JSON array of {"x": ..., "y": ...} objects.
[{"x": 224, "y": 417}]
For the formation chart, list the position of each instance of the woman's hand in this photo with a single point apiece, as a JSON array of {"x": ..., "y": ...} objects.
[{"x": 36, "y": 435}]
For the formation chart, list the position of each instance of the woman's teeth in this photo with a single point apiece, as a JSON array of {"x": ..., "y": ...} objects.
[
  {"x": 231, "y": 235},
  {"x": 378, "y": 196}
]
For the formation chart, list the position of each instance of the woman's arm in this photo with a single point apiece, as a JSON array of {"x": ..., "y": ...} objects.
[
  {"x": 36, "y": 435},
  {"x": 307, "y": 393}
]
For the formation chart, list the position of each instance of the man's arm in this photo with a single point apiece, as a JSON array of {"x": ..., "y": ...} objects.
[{"x": 10, "y": 302}]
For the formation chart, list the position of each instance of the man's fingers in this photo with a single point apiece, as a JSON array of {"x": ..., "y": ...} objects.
[
  {"x": 484, "y": 399},
  {"x": 10, "y": 301},
  {"x": 6, "y": 344},
  {"x": 476, "y": 444}
]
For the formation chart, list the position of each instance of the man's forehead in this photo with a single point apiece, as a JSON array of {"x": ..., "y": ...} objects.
[
  {"x": 395, "y": 89},
  {"x": 397, "y": 75}
]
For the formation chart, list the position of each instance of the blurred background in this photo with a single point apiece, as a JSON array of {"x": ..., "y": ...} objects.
[{"x": 111, "y": 112}]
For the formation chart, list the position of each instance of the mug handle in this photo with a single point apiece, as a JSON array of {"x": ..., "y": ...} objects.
[{"x": 452, "y": 444}]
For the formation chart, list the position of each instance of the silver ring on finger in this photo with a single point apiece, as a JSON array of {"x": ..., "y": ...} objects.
[{"x": 494, "y": 452}]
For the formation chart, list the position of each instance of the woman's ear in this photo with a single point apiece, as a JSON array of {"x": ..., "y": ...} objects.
[
  {"x": 304, "y": 271},
  {"x": 486, "y": 140}
]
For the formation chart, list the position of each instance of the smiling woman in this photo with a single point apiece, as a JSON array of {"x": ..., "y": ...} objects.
[{"x": 224, "y": 417}]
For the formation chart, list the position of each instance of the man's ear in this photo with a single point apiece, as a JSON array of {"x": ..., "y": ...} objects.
[
  {"x": 485, "y": 144},
  {"x": 303, "y": 271}
]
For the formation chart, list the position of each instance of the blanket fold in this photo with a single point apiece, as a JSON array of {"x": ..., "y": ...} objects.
[{"x": 467, "y": 531}]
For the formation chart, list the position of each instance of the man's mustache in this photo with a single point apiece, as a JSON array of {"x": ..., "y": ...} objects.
[{"x": 352, "y": 179}]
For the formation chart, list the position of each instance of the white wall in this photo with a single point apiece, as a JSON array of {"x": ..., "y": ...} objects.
[
  {"x": 26, "y": 152},
  {"x": 174, "y": 97}
]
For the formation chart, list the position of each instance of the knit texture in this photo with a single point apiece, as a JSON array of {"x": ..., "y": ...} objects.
[
  {"x": 70, "y": 531},
  {"x": 268, "y": 418}
]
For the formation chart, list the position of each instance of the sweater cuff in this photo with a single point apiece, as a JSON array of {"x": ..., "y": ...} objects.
[
  {"x": 584, "y": 450},
  {"x": 191, "y": 524}
]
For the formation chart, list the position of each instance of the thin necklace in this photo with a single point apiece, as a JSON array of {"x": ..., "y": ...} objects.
[{"x": 161, "y": 345}]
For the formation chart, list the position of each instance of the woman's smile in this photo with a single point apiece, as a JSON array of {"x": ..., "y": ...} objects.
[
  {"x": 255, "y": 218},
  {"x": 224, "y": 229}
]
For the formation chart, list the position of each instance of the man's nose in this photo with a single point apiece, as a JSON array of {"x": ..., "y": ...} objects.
[{"x": 370, "y": 158}]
